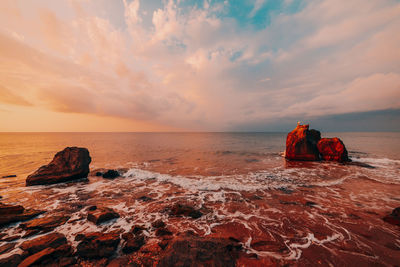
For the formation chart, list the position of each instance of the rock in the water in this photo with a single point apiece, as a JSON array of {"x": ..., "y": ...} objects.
[
  {"x": 9, "y": 176},
  {"x": 98, "y": 245},
  {"x": 10, "y": 214},
  {"x": 100, "y": 215},
  {"x": 48, "y": 256},
  {"x": 52, "y": 240},
  {"x": 99, "y": 174},
  {"x": 70, "y": 164},
  {"x": 179, "y": 209},
  {"x": 201, "y": 251},
  {"x": 133, "y": 242},
  {"x": 332, "y": 149},
  {"x": 111, "y": 174},
  {"x": 6, "y": 247},
  {"x": 45, "y": 223},
  {"x": 301, "y": 144},
  {"x": 394, "y": 217},
  {"x": 158, "y": 224},
  {"x": 12, "y": 260}
]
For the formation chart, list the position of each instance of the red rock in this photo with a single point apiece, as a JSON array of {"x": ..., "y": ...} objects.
[
  {"x": 6, "y": 248},
  {"x": 332, "y": 149},
  {"x": 163, "y": 232},
  {"x": 26, "y": 214},
  {"x": 158, "y": 224},
  {"x": 200, "y": 251},
  {"x": 47, "y": 255},
  {"x": 394, "y": 217},
  {"x": 179, "y": 209},
  {"x": 70, "y": 164},
  {"x": 12, "y": 260},
  {"x": 45, "y": 223},
  {"x": 133, "y": 243},
  {"x": 100, "y": 215},
  {"x": 98, "y": 245},
  {"x": 301, "y": 144},
  {"x": 52, "y": 240},
  {"x": 10, "y": 209}
]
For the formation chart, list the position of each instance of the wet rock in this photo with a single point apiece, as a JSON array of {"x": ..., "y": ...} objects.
[
  {"x": 111, "y": 174},
  {"x": 12, "y": 238},
  {"x": 9, "y": 176},
  {"x": 52, "y": 240},
  {"x": 124, "y": 261},
  {"x": 137, "y": 229},
  {"x": 332, "y": 149},
  {"x": 11, "y": 261},
  {"x": 70, "y": 164},
  {"x": 158, "y": 224},
  {"x": 48, "y": 256},
  {"x": 301, "y": 144},
  {"x": 145, "y": 198},
  {"x": 6, "y": 248},
  {"x": 101, "y": 215},
  {"x": 163, "y": 232},
  {"x": 394, "y": 217},
  {"x": 179, "y": 209},
  {"x": 99, "y": 174},
  {"x": 10, "y": 214},
  {"x": 133, "y": 243},
  {"x": 30, "y": 233},
  {"x": 91, "y": 208},
  {"x": 200, "y": 251},
  {"x": 98, "y": 245},
  {"x": 45, "y": 223},
  {"x": 10, "y": 209},
  {"x": 163, "y": 243}
]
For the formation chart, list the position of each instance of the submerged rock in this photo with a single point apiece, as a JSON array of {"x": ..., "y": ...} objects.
[
  {"x": 15, "y": 213},
  {"x": 301, "y": 144},
  {"x": 70, "y": 164},
  {"x": 100, "y": 215},
  {"x": 179, "y": 209},
  {"x": 332, "y": 149},
  {"x": 394, "y": 217},
  {"x": 201, "y": 251},
  {"x": 98, "y": 245},
  {"x": 46, "y": 223},
  {"x": 111, "y": 174}
]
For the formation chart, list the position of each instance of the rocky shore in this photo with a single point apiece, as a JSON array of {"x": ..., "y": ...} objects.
[{"x": 42, "y": 237}]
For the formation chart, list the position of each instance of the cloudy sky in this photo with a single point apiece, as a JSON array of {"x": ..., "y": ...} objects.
[{"x": 186, "y": 65}]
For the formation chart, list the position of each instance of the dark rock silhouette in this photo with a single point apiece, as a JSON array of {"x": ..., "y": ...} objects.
[
  {"x": 394, "y": 217},
  {"x": 111, "y": 174},
  {"x": 70, "y": 164}
]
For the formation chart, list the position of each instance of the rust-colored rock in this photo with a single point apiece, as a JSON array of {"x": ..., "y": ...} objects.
[
  {"x": 11, "y": 213},
  {"x": 158, "y": 224},
  {"x": 179, "y": 209},
  {"x": 70, "y": 164},
  {"x": 133, "y": 242},
  {"x": 48, "y": 256},
  {"x": 45, "y": 223},
  {"x": 332, "y": 149},
  {"x": 52, "y": 240},
  {"x": 12, "y": 260},
  {"x": 98, "y": 245},
  {"x": 301, "y": 144},
  {"x": 200, "y": 251},
  {"x": 394, "y": 217},
  {"x": 101, "y": 215}
]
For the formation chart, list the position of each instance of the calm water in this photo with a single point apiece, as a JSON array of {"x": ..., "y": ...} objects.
[{"x": 300, "y": 213}]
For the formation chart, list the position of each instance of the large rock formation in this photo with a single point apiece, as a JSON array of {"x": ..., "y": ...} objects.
[
  {"x": 301, "y": 144},
  {"x": 70, "y": 164},
  {"x": 332, "y": 149}
]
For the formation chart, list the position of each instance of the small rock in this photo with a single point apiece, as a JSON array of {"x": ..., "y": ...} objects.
[
  {"x": 6, "y": 248},
  {"x": 11, "y": 213},
  {"x": 158, "y": 224},
  {"x": 12, "y": 238},
  {"x": 185, "y": 210},
  {"x": 394, "y": 217},
  {"x": 45, "y": 223},
  {"x": 52, "y": 240},
  {"x": 10, "y": 209},
  {"x": 99, "y": 174},
  {"x": 9, "y": 176},
  {"x": 101, "y": 215},
  {"x": 145, "y": 198},
  {"x": 163, "y": 232},
  {"x": 98, "y": 245},
  {"x": 111, "y": 174},
  {"x": 133, "y": 243}
]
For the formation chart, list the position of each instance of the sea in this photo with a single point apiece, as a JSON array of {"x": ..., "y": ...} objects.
[{"x": 296, "y": 213}]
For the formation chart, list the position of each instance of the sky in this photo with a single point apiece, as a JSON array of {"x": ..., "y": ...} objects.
[{"x": 212, "y": 65}]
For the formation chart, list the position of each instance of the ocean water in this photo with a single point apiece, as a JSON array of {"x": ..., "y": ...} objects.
[{"x": 303, "y": 213}]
